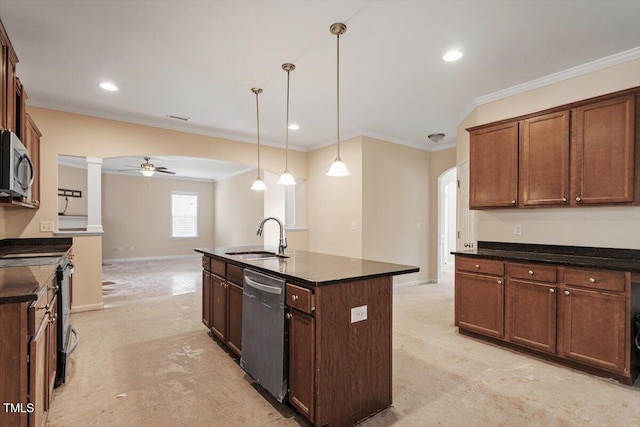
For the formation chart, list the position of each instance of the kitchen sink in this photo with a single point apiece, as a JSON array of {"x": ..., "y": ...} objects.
[{"x": 253, "y": 255}]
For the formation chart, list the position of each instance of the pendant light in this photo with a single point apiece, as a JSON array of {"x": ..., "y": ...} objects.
[
  {"x": 338, "y": 168},
  {"x": 258, "y": 184},
  {"x": 286, "y": 178}
]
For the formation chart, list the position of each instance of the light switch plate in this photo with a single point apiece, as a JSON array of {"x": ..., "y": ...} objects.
[
  {"x": 46, "y": 226},
  {"x": 358, "y": 314}
]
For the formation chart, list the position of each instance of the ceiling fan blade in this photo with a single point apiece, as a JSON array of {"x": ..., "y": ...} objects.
[
  {"x": 160, "y": 167},
  {"x": 165, "y": 171}
]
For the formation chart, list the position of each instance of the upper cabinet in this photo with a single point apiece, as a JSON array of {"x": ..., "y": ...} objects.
[
  {"x": 494, "y": 166},
  {"x": 585, "y": 153}
]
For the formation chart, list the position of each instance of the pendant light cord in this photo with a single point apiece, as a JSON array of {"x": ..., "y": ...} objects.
[
  {"x": 258, "y": 127},
  {"x": 286, "y": 151},
  {"x": 338, "y": 93}
]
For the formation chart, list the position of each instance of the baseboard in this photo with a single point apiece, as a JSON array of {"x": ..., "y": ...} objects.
[
  {"x": 409, "y": 284},
  {"x": 150, "y": 258},
  {"x": 88, "y": 307}
]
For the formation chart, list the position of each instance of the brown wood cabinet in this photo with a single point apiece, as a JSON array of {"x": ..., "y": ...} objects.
[
  {"x": 222, "y": 301},
  {"x": 479, "y": 293},
  {"x": 302, "y": 363},
  {"x": 494, "y": 166},
  {"x": 28, "y": 359},
  {"x": 584, "y": 153},
  {"x": 576, "y": 316},
  {"x": 32, "y": 143}
]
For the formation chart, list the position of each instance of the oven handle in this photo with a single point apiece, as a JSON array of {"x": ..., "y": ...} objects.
[
  {"x": 75, "y": 341},
  {"x": 265, "y": 288}
]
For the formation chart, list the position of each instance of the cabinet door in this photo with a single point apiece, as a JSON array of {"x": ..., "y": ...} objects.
[
  {"x": 11, "y": 90},
  {"x": 38, "y": 388},
  {"x": 603, "y": 152},
  {"x": 32, "y": 142},
  {"x": 480, "y": 302},
  {"x": 219, "y": 307},
  {"x": 531, "y": 314},
  {"x": 594, "y": 325},
  {"x": 302, "y": 363},
  {"x": 544, "y": 160},
  {"x": 493, "y": 171},
  {"x": 206, "y": 298},
  {"x": 234, "y": 337}
]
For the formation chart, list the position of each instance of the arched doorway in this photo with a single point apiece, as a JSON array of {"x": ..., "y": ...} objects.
[{"x": 447, "y": 197}]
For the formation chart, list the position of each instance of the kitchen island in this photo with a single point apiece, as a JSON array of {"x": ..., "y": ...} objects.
[{"x": 339, "y": 324}]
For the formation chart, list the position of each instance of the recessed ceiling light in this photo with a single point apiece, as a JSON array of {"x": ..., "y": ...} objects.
[
  {"x": 452, "y": 55},
  {"x": 294, "y": 126},
  {"x": 108, "y": 86}
]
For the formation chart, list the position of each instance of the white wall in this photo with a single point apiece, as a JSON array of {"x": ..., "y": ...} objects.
[
  {"x": 617, "y": 227},
  {"x": 73, "y": 179}
]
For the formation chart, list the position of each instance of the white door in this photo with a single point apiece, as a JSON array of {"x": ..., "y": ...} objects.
[{"x": 466, "y": 235}]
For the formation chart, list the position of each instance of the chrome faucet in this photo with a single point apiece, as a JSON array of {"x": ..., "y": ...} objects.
[{"x": 283, "y": 239}]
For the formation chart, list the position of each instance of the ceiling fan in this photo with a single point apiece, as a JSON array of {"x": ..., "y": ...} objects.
[{"x": 148, "y": 169}]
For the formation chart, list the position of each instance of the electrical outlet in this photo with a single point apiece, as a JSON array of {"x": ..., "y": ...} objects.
[
  {"x": 517, "y": 229},
  {"x": 358, "y": 314},
  {"x": 354, "y": 226},
  {"x": 46, "y": 226}
]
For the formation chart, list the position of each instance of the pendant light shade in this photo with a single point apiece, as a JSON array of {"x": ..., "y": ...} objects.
[
  {"x": 286, "y": 178},
  {"x": 338, "y": 167},
  {"x": 258, "y": 184}
]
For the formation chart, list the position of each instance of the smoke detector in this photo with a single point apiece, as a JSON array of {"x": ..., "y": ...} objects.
[{"x": 436, "y": 137}]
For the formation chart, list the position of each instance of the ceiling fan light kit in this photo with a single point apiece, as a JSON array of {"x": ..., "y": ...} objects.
[{"x": 338, "y": 167}]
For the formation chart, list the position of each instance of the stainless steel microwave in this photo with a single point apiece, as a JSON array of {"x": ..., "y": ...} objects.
[{"x": 16, "y": 169}]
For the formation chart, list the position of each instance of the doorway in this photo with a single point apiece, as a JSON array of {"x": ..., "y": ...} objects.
[{"x": 447, "y": 202}]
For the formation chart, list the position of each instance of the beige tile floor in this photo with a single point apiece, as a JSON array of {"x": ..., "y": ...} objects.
[{"x": 147, "y": 360}]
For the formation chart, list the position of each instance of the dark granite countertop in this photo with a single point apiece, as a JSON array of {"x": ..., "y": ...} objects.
[
  {"x": 581, "y": 256},
  {"x": 311, "y": 268},
  {"x": 19, "y": 282}
]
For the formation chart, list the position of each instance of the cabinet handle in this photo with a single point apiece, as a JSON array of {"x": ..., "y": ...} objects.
[
  {"x": 46, "y": 307},
  {"x": 53, "y": 318},
  {"x": 592, "y": 280},
  {"x": 466, "y": 245},
  {"x": 513, "y": 202},
  {"x": 288, "y": 315},
  {"x": 564, "y": 199},
  {"x": 294, "y": 297},
  {"x": 477, "y": 265},
  {"x": 552, "y": 291},
  {"x": 499, "y": 282},
  {"x": 567, "y": 293},
  {"x": 578, "y": 199},
  {"x": 531, "y": 272}
]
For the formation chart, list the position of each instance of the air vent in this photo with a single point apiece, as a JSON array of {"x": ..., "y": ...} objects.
[{"x": 184, "y": 119}]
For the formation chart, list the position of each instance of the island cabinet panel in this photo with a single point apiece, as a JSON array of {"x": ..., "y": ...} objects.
[
  {"x": 302, "y": 363},
  {"x": 480, "y": 303},
  {"x": 206, "y": 298},
  {"x": 14, "y": 341},
  {"x": 493, "y": 166},
  {"x": 594, "y": 328},
  {"x": 544, "y": 160},
  {"x": 234, "y": 309},
  {"x": 353, "y": 359},
  {"x": 531, "y": 310},
  {"x": 603, "y": 154},
  {"x": 219, "y": 307}
]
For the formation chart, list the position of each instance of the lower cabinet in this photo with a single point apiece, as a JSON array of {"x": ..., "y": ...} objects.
[
  {"x": 302, "y": 362},
  {"x": 222, "y": 301},
  {"x": 573, "y": 314}
]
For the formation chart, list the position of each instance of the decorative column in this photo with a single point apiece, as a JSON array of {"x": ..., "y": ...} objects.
[{"x": 94, "y": 195}]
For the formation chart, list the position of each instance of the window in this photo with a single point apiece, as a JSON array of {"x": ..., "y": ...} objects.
[{"x": 184, "y": 214}]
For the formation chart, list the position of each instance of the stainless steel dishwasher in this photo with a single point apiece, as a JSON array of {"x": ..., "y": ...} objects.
[{"x": 264, "y": 336}]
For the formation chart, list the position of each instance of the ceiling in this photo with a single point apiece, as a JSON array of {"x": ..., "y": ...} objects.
[{"x": 199, "y": 59}]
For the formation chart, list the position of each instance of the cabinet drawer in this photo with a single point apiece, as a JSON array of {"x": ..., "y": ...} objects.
[
  {"x": 300, "y": 298},
  {"x": 479, "y": 265},
  {"x": 40, "y": 309},
  {"x": 535, "y": 272},
  {"x": 596, "y": 279},
  {"x": 235, "y": 274},
  {"x": 206, "y": 263},
  {"x": 219, "y": 267}
]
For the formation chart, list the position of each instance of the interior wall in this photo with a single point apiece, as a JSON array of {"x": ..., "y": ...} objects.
[
  {"x": 334, "y": 205},
  {"x": 136, "y": 216},
  {"x": 395, "y": 206},
  {"x": 72, "y": 178},
  {"x": 617, "y": 227},
  {"x": 236, "y": 219}
]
